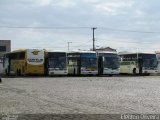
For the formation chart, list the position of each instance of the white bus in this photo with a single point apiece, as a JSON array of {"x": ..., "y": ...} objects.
[
  {"x": 138, "y": 63},
  {"x": 158, "y": 58},
  {"x": 82, "y": 63},
  {"x": 56, "y": 63},
  {"x": 108, "y": 63}
]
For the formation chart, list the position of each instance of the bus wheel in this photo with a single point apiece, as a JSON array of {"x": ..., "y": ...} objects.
[
  {"x": 134, "y": 71},
  {"x": 19, "y": 72},
  {"x": 74, "y": 71},
  {"x": 147, "y": 74}
]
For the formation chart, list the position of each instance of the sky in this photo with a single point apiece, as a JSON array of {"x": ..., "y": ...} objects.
[{"x": 125, "y": 25}]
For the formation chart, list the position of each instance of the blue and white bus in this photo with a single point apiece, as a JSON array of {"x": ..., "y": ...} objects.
[
  {"x": 108, "y": 63},
  {"x": 82, "y": 63}
]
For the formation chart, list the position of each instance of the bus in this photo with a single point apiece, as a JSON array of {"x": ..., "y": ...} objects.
[
  {"x": 24, "y": 62},
  {"x": 138, "y": 63},
  {"x": 82, "y": 63},
  {"x": 56, "y": 63},
  {"x": 1, "y": 65},
  {"x": 108, "y": 63},
  {"x": 158, "y": 58}
]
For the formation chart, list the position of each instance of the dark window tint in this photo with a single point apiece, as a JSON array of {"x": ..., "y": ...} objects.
[{"x": 2, "y": 48}]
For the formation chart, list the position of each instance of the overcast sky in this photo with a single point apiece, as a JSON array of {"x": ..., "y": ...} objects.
[{"x": 126, "y": 25}]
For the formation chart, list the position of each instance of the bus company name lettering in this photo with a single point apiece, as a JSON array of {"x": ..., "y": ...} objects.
[{"x": 35, "y": 60}]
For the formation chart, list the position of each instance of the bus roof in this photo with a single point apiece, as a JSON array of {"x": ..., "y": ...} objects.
[
  {"x": 106, "y": 52},
  {"x": 81, "y": 52},
  {"x": 134, "y": 53},
  {"x": 22, "y": 50},
  {"x": 157, "y": 52},
  {"x": 56, "y": 51}
]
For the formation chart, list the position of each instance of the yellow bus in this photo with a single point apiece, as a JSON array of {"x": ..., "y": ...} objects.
[{"x": 24, "y": 62}]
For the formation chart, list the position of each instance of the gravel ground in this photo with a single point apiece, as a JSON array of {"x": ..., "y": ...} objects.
[{"x": 85, "y": 95}]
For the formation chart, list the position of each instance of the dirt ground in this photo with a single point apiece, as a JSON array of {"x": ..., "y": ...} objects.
[{"x": 80, "y": 95}]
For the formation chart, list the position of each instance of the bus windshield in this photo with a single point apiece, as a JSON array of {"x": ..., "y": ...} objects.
[
  {"x": 58, "y": 62},
  {"x": 147, "y": 63},
  {"x": 111, "y": 62},
  {"x": 89, "y": 62},
  {"x": 149, "y": 60}
]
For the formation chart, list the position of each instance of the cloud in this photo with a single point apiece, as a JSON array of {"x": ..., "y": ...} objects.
[
  {"x": 114, "y": 7},
  {"x": 42, "y": 2},
  {"x": 117, "y": 14}
]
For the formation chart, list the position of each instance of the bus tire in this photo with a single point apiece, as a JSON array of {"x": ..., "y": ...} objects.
[
  {"x": 20, "y": 72},
  {"x": 74, "y": 71},
  {"x": 17, "y": 72},
  {"x": 134, "y": 71},
  {"x": 8, "y": 71},
  {"x": 147, "y": 74},
  {"x": 110, "y": 75}
]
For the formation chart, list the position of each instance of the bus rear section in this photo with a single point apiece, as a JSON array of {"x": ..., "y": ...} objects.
[
  {"x": 82, "y": 63},
  {"x": 108, "y": 63},
  {"x": 34, "y": 62},
  {"x": 56, "y": 63},
  {"x": 139, "y": 63}
]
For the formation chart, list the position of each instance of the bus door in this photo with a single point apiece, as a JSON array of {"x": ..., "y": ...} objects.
[
  {"x": 46, "y": 65},
  {"x": 73, "y": 65},
  {"x": 140, "y": 65},
  {"x": 78, "y": 66},
  {"x": 6, "y": 65},
  {"x": 100, "y": 65}
]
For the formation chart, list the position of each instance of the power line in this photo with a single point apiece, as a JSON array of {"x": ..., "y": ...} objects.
[
  {"x": 25, "y": 27},
  {"x": 82, "y": 44},
  {"x": 134, "y": 42},
  {"x": 69, "y": 27},
  {"x": 127, "y": 30}
]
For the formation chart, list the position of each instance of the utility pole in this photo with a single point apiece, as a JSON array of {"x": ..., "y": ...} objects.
[
  {"x": 93, "y": 38},
  {"x": 68, "y": 45}
]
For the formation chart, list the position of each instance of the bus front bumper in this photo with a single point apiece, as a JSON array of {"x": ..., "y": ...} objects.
[
  {"x": 111, "y": 72},
  {"x": 150, "y": 71},
  {"x": 89, "y": 72},
  {"x": 58, "y": 72}
]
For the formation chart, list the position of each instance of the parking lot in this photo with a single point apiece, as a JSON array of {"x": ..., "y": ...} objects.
[{"x": 86, "y": 95}]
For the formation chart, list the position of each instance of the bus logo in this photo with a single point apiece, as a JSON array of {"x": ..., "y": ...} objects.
[{"x": 35, "y": 52}]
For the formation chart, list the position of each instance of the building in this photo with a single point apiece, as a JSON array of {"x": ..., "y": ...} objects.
[
  {"x": 5, "y": 46},
  {"x": 106, "y": 49}
]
